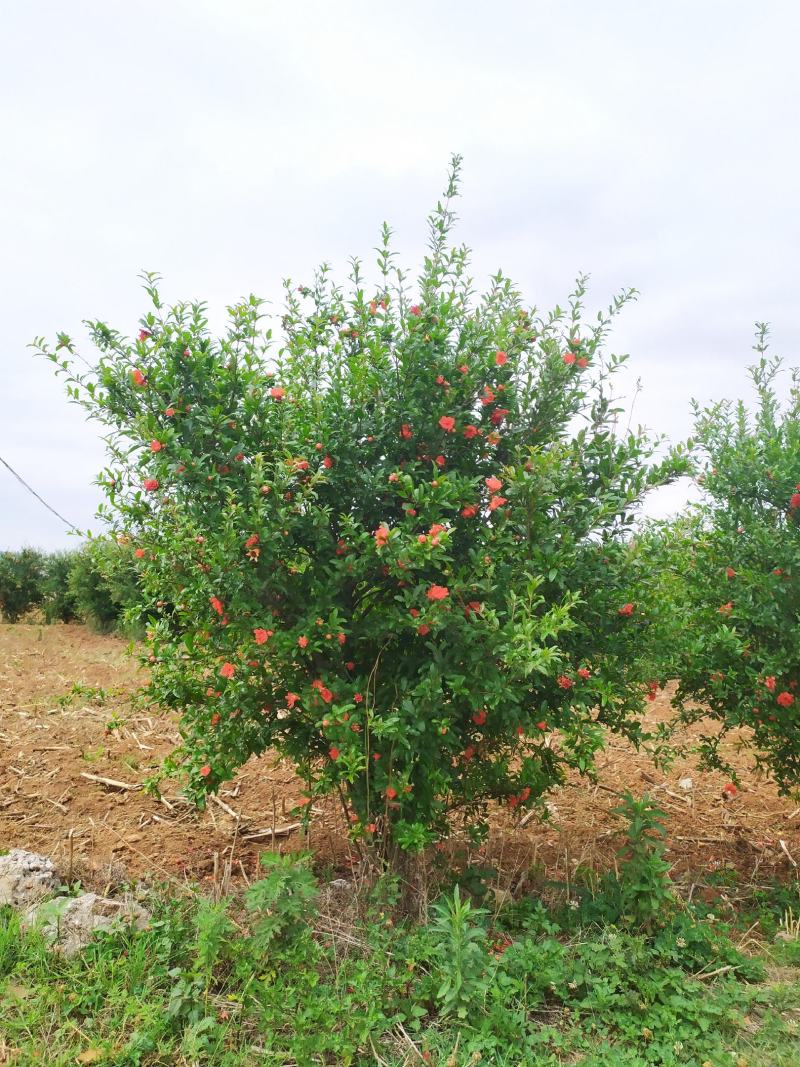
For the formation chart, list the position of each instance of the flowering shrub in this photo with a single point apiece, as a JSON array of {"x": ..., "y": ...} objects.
[
  {"x": 741, "y": 562},
  {"x": 390, "y": 545}
]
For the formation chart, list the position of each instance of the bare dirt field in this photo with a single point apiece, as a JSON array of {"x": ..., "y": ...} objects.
[{"x": 66, "y": 721}]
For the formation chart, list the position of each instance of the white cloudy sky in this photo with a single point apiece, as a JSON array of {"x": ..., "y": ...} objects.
[{"x": 228, "y": 143}]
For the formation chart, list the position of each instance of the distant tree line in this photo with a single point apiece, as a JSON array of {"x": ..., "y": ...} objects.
[{"x": 95, "y": 584}]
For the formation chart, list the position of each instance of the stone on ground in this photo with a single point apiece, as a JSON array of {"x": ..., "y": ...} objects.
[
  {"x": 70, "y": 923},
  {"x": 26, "y": 878}
]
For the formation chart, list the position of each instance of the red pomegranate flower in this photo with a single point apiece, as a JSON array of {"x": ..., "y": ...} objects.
[
  {"x": 794, "y": 501},
  {"x": 497, "y": 502},
  {"x": 205, "y": 771},
  {"x": 151, "y": 485},
  {"x": 569, "y": 358},
  {"x": 227, "y": 670},
  {"x": 584, "y": 672},
  {"x": 391, "y": 792},
  {"x": 139, "y": 553},
  {"x": 469, "y": 511},
  {"x": 216, "y": 604},
  {"x": 327, "y": 462},
  {"x": 565, "y": 682},
  {"x": 405, "y": 432},
  {"x": 423, "y": 630},
  {"x": 381, "y": 536},
  {"x": 785, "y": 699},
  {"x": 730, "y": 572},
  {"x": 500, "y": 358},
  {"x": 415, "y": 309},
  {"x": 155, "y": 446},
  {"x": 494, "y": 485},
  {"x": 333, "y": 752},
  {"x": 626, "y": 609},
  {"x": 261, "y": 635},
  {"x": 470, "y": 432},
  {"x": 447, "y": 423},
  {"x": 277, "y": 392},
  {"x": 291, "y": 699},
  {"x": 302, "y": 641},
  {"x": 438, "y": 592},
  {"x": 769, "y": 682},
  {"x": 479, "y": 718}
]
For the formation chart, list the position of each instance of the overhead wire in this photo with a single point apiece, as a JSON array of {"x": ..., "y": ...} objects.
[{"x": 41, "y": 500}]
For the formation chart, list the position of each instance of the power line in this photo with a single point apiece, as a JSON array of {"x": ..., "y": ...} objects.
[{"x": 31, "y": 490}]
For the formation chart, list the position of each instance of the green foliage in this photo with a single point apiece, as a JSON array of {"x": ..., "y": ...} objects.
[
  {"x": 103, "y": 587},
  {"x": 641, "y": 884},
  {"x": 282, "y": 903},
  {"x": 58, "y": 600},
  {"x": 97, "y": 584},
  {"x": 460, "y": 947},
  {"x": 740, "y": 557},
  {"x": 200, "y": 985},
  {"x": 21, "y": 576},
  {"x": 390, "y": 544}
]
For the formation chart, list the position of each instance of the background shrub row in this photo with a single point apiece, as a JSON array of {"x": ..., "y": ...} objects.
[{"x": 95, "y": 584}]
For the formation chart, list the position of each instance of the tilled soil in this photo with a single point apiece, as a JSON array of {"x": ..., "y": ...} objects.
[{"x": 67, "y": 720}]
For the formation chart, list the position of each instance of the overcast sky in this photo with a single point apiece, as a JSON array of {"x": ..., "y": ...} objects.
[{"x": 230, "y": 143}]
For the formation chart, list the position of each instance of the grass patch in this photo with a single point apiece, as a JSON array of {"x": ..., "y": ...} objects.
[
  {"x": 291, "y": 973},
  {"x": 621, "y": 972}
]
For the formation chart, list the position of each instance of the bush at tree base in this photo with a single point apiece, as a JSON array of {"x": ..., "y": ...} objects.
[
  {"x": 390, "y": 545},
  {"x": 738, "y": 556}
]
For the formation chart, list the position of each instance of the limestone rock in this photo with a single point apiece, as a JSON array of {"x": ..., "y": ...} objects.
[
  {"x": 26, "y": 878},
  {"x": 70, "y": 923}
]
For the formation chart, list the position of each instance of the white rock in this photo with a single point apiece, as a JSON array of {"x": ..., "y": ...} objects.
[
  {"x": 70, "y": 923},
  {"x": 26, "y": 878},
  {"x": 686, "y": 784},
  {"x": 341, "y": 885}
]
